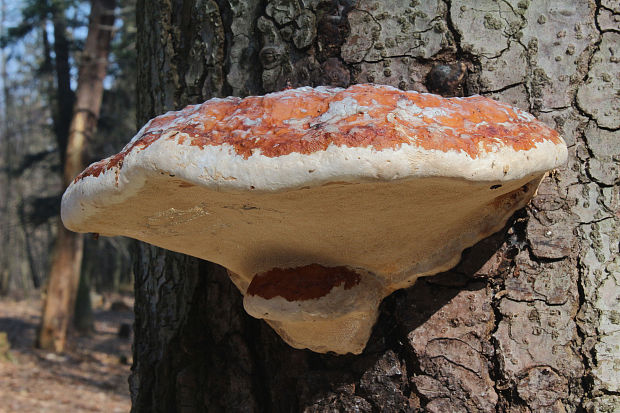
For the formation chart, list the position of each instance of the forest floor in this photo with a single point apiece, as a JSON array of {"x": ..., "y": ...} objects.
[{"x": 90, "y": 376}]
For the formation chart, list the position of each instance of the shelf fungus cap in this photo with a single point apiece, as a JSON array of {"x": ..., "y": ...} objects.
[{"x": 297, "y": 189}]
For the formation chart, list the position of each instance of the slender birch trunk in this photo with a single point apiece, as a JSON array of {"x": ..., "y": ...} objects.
[{"x": 67, "y": 256}]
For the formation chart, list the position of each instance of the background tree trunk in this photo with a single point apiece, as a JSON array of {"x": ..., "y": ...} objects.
[
  {"x": 67, "y": 257},
  {"x": 5, "y": 144},
  {"x": 525, "y": 322},
  {"x": 65, "y": 98}
]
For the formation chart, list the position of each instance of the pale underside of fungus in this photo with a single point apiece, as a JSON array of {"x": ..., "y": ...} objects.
[{"x": 320, "y": 201}]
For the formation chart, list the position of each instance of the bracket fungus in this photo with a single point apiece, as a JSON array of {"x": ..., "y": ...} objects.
[{"x": 320, "y": 201}]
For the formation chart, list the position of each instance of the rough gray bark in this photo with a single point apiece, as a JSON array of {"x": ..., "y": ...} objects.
[{"x": 526, "y": 322}]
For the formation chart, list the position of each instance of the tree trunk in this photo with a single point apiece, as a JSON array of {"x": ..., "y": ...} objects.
[
  {"x": 67, "y": 256},
  {"x": 65, "y": 97},
  {"x": 6, "y": 173},
  {"x": 525, "y": 322}
]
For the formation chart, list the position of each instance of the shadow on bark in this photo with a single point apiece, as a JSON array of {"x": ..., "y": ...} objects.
[{"x": 229, "y": 361}]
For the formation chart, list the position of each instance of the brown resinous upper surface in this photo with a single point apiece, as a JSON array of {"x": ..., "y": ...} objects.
[
  {"x": 302, "y": 283},
  {"x": 307, "y": 120}
]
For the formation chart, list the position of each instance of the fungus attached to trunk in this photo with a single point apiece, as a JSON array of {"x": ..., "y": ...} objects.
[{"x": 320, "y": 201}]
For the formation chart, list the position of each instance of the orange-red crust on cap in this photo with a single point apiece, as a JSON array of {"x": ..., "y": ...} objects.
[
  {"x": 290, "y": 121},
  {"x": 302, "y": 283}
]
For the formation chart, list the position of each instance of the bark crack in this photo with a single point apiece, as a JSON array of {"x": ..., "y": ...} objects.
[
  {"x": 457, "y": 364},
  {"x": 501, "y": 384},
  {"x": 587, "y": 381},
  {"x": 502, "y": 89}
]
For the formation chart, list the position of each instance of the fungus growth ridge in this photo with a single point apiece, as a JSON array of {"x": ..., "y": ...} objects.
[{"x": 307, "y": 120}]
